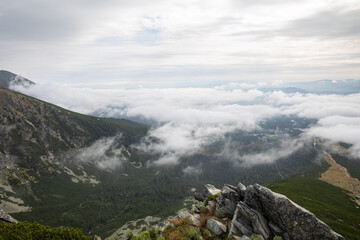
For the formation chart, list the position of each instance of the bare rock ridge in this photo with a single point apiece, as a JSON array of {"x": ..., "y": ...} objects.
[{"x": 257, "y": 211}]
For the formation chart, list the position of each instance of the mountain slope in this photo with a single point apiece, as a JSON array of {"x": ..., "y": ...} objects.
[
  {"x": 26, "y": 121},
  {"x": 8, "y": 78}
]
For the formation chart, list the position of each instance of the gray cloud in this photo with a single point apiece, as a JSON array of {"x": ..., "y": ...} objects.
[
  {"x": 269, "y": 156},
  {"x": 191, "y": 170},
  {"x": 327, "y": 24},
  {"x": 157, "y": 43},
  {"x": 105, "y": 153}
]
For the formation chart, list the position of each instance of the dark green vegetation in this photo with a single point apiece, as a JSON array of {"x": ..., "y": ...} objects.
[
  {"x": 35, "y": 231},
  {"x": 102, "y": 208},
  {"x": 330, "y": 204}
]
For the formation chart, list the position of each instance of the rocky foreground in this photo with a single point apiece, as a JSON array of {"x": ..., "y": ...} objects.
[
  {"x": 241, "y": 212},
  {"x": 238, "y": 213}
]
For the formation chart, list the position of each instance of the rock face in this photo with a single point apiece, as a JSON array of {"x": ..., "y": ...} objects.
[
  {"x": 295, "y": 221},
  {"x": 4, "y": 217},
  {"x": 207, "y": 191},
  {"x": 257, "y": 211},
  {"x": 215, "y": 226}
]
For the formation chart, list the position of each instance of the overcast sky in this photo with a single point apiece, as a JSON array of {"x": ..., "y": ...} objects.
[{"x": 178, "y": 43}]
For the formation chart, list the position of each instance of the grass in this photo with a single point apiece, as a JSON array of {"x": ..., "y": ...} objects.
[
  {"x": 330, "y": 204},
  {"x": 352, "y": 165}
]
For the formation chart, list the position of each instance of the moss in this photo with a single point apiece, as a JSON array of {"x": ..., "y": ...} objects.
[{"x": 210, "y": 198}]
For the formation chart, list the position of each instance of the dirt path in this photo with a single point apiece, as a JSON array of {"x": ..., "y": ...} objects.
[{"x": 339, "y": 176}]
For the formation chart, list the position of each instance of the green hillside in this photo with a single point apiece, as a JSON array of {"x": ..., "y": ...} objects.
[{"x": 331, "y": 204}]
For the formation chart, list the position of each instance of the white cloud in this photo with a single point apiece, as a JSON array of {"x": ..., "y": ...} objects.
[
  {"x": 191, "y": 170},
  {"x": 188, "y": 119},
  {"x": 105, "y": 153},
  {"x": 266, "y": 157}
]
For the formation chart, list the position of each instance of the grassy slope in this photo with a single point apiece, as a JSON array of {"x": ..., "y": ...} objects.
[
  {"x": 330, "y": 204},
  {"x": 352, "y": 165}
]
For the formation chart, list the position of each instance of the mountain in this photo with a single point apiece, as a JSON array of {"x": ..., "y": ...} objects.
[{"x": 8, "y": 79}]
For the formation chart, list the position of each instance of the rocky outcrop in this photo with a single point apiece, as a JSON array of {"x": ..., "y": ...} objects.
[
  {"x": 207, "y": 191},
  {"x": 4, "y": 217},
  {"x": 257, "y": 211},
  {"x": 215, "y": 226},
  {"x": 286, "y": 216}
]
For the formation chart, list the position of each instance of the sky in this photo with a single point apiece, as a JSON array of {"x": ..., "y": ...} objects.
[
  {"x": 192, "y": 68},
  {"x": 174, "y": 43}
]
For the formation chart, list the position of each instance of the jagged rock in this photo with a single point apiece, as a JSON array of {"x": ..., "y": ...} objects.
[
  {"x": 195, "y": 218},
  {"x": 249, "y": 221},
  {"x": 96, "y": 237},
  {"x": 241, "y": 189},
  {"x": 231, "y": 186},
  {"x": 4, "y": 217},
  {"x": 224, "y": 207},
  {"x": 297, "y": 222},
  {"x": 275, "y": 229},
  {"x": 230, "y": 193},
  {"x": 206, "y": 192},
  {"x": 215, "y": 226},
  {"x": 240, "y": 238}
]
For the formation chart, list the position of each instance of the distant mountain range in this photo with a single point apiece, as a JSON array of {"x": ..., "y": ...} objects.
[{"x": 348, "y": 86}]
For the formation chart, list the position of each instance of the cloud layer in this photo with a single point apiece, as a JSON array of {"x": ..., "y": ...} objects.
[{"x": 185, "y": 120}]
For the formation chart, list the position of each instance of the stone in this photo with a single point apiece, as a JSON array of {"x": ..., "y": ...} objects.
[
  {"x": 230, "y": 193},
  {"x": 241, "y": 189},
  {"x": 224, "y": 207},
  {"x": 250, "y": 221},
  {"x": 4, "y": 217},
  {"x": 215, "y": 226},
  {"x": 275, "y": 229},
  {"x": 297, "y": 222},
  {"x": 195, "y": 218},
  {"x": 206, "y": 192}
]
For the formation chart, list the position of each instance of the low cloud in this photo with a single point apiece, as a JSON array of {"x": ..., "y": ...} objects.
[
  {"x": 105, "y": 153},
  {"x": 339, "y": 129},
  {"x": 268, "y": 156},
  {"x": 186, "y": 120},
  {"x": 193, "y": 170}
]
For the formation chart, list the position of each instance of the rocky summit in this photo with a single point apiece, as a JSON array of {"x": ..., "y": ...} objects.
[{"x": 255, "y": 211}]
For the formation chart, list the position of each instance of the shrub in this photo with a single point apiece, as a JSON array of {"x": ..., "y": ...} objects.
[
  {"x": 194, "y": 233},
  {"x": 34, "y": 231},
  {"x": 210, "y": 198}
]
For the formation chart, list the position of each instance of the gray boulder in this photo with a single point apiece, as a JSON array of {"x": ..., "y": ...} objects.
[
  {"x": 224, "y": 207},
  {"x": 297, "y": 222},
  {"x": 241, "y": 189},
  {"x": 215, "y": 226},
  {"x": 230, "y": 194},
  {"x": 206, "y": 192},
  {"x": 249, "y": 221},
  {"x": 4, "y": 217}
]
